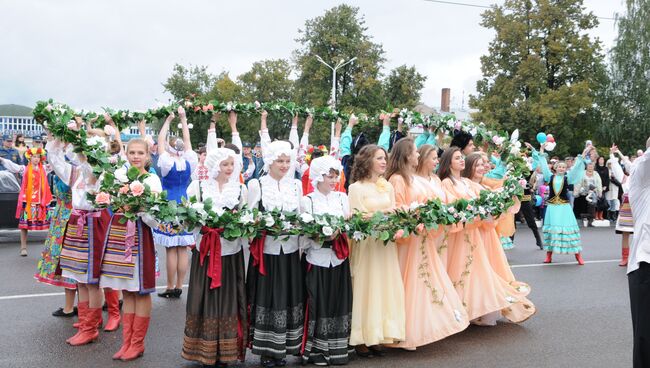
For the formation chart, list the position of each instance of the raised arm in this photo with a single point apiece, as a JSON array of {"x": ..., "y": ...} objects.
[
  {"x": 336, "y": 139},
  {"x": 162, "y": 136},
  {"x": 540, "y": 160},
  {"x": 421, "y": 139},
  {"x": 187, "y": 143},
  {"x": 212, "y": 143},
  {"x": 56, "y": 157},
  {"x": 11, "y": 166},
  {"x": 293, "y": 133},
  {"x": 265, "y": 138},
  {"x": 346, "y": 137},
  {"x": 236, "y": 139},
  {"x": 384, "y": 137},
  {"x": 577, "y": 172},
  {"x": 499, "y": 170},
  {"x": 304, "y": 140},
  {"x": 118, "y": 136}
]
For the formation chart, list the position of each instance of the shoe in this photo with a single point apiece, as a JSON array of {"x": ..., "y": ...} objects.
[
  {"x": 169, "y": 293},
  {"x": 127, "y": 332},
  {"x": 82, "y": 308},
  {"x": 60, "y": 313},
  {"x": 177, "y": 293},
  {"x": 279, "y": 362},
  {"x": 625, "y": 254},
  {"x": 318, "y": 360},
  {"x": 549, "y": 257},
  {"x": 89, "y": 329},
  {"x": 267, "y": 362},
  {"x": 23, "y": 252},
  {"x": 363, "y": 351},
  {"x": 105, "y": 306},
  {"x": 581, "y": 262},
  {"x": 376, "y": 350},
  {"x": 136, "y": 350},
  {"x": 113, "y": 302}
]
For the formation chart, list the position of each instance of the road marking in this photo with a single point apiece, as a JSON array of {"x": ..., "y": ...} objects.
[
  {"x": 26, "y": 296},
  {"x": 563, "y": 263}
]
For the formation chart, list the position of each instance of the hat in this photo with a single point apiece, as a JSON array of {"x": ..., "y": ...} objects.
[
  {"x": 321, "y": 166},
  {"x": 38, "y": 138},
  {"x": 6, "y": 137},
  {"x": 276, "y": 149},
  {"x": 247, "y": 144},
  {"x": 258, "y": 144},
  {"x": 214, "y": 158},
  {"x": 461, "y": 140}
]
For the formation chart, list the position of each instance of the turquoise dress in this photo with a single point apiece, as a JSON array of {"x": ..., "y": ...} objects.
[{"x": 561, "y": 232}]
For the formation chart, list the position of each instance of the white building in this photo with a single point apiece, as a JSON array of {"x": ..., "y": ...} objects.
[{"x": 16, "y": 119}]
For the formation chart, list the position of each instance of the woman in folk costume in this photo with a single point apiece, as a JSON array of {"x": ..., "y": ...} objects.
[
  {"x": 433, "y": 308},
  {"x": 481, "y": 289},
  {"x": 176, "y": 163},
  {"x": 476, "y": 165},
  {"x": 129, "y": 259},
  {"x": 378, "y": 314},
  {"x": 47, "y": 264},
  {"x": 35, "y": 195},
  {"x": 216, "y": 321},
  {"x": 83, "y": 239},
  {"x": 561, "y": 231},
  {"x": 624, "y": 221},
  {"x": 275, "y": 281},
  {"x": 328, "y": 282}
]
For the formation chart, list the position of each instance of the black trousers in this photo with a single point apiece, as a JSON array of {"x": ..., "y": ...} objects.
[
  {"x": 526, "y": 209},
  {"x": 639, "y": 282}
]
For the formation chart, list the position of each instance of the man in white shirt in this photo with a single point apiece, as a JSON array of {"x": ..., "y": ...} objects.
[{"x": 638, "y": 269}]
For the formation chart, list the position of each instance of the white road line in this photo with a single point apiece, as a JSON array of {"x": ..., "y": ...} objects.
[
  {"x": 563, "y": 263},
  {"x": 26, "y": 296}
]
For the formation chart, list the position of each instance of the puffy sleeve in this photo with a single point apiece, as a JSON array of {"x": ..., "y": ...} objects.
[
  {"x": 243, "y": 196},
  {"x": 254, "y": 193},
  {"x": 265, "y": 139},
  {"x": 298, "y": 184},
  {"x": 154, "y": 183},
  {"x": 11, "y": 166},
  {"x": 617, "y": 170},
  {"x": 576, "y": 173},
  {"x": 193, "y": 190},
  {"x": 355, "y": 195},
  {"x": 305, "y": 205},
  {"x": 400, "y": 190},
  {"x": 540, "y": 160},
  {"x": 165, "y": 163},
  {"x": 334, "y": 146},
  {"x": 192, "y": 158},
  {"x": 345, "y": 203},
  {"x": 56, "y": 157},
  {"x": 211, "y": 144}
]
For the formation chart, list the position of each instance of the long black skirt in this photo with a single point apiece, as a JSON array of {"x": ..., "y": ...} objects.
[
  {"x": 216, "y": 323},
  {"x": 329, "y": 313},
  {"x": 276, "y": 305}
]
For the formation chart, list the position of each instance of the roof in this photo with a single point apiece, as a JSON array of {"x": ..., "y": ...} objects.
[{"x": 15, "y": 110}]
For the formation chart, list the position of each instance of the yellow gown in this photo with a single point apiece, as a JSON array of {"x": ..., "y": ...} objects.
[{"x": 378, "y": 315}]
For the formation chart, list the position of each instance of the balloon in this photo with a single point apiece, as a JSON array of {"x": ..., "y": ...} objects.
[
  {"x": 541, "y": 138},
  {"x": 550, "y": 146},
  {"x": 550, "y": 138},
  {"x": 538, "y": 200}
]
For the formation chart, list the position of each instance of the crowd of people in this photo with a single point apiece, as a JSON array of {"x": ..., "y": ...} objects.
[{"x": 313, "y": 298}]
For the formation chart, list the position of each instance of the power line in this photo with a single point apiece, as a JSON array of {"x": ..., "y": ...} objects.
[{"x": 484, "y": 6}]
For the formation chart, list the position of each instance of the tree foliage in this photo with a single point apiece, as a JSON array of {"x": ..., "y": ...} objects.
[
  {"x": 542, "y": 72},
  {"x": 403, "y": 85},
  {"x": 626, "y": 102}
]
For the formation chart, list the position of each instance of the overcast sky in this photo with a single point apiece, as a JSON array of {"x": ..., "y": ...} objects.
[{"x": 117, "y": 53}]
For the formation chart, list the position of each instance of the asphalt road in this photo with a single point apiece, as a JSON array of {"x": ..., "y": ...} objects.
[{"x": 582, "y": 320}]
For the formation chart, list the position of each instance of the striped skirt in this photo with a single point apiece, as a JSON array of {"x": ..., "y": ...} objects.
[
  {"x": 625, "y": 222},
  {"x": 36, "y": 211},
  {"x": 277, "y": 305},
  {"x": 81, "y": 251}
]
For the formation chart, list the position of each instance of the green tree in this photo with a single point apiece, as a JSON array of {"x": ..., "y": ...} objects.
[
  {"x": 403, "y": 85},
  {"x": 543, "y": 72},
  {"x": 268, "y": 80},
  {"x": 627, "y": 100},
  {"x": 339, "y": 34},
  {"x": 187, "y": 81}
]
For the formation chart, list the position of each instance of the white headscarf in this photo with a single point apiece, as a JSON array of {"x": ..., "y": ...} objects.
[
  {"x": 276, "y": 149},
  {"x": 215, "y": 157},
  {"x": 321, "y": 166}
]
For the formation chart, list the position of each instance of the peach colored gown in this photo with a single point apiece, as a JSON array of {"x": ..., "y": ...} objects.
[
  {"x": 524, "y": 308},
  {"x": 480, "y": 288},
  {"x": 505, "y": 224},
  {"x": 378, "y": 315},
  {"x": 433, "y": 308}
]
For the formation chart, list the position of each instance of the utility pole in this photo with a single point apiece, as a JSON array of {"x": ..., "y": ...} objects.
[{"x": 340, "y": 64}]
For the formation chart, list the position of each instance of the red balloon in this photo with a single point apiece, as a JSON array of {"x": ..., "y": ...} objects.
[{"x": 549, "y": 138}]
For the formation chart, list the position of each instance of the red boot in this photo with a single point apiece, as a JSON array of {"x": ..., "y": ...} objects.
[
  {"x": 82, "y": 307},
  {"x": 113, "y": 302},
  {"x": 624, "y": 256},
  {"x": 140, "y": 326},
  {"x": 549, "y": 257},
  {"x": 581, "y": 262},
  {"x": 89, "y": 330},
  {"x": 127, "y": 332}
]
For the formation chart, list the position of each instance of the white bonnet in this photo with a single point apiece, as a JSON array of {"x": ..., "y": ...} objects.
[
  {"x": 276, "y": 149},
  {"x": 321, "y": 166},
  {"x": 216, "y": 156}
]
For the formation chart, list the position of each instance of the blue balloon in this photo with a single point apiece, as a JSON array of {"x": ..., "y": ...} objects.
[
  {"x": 538, "y": 200},
  {"x": 541, "y": 138}
]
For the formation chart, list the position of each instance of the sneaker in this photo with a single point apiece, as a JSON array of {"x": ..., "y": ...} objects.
[{"x": 60, "y": 313}]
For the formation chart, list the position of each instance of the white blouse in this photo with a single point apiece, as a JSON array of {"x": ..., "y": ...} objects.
[
  {"x": 316, "y": 203},
  {"x": 231, "y": 197},
  {"x": 78, "y": 178},
  {"x": 153, "y": 181},
  {"x": 283, "y": 195},
  {"x": 166, "y": 161}
]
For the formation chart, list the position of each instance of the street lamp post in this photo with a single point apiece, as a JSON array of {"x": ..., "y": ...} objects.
[{"x": 340, "y": 64}]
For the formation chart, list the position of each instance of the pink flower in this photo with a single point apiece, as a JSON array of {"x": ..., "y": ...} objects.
[
  {"x": 420, "y": 228},
  {"x": 522, "y": 182},
  {"x": 109, "y": 130},
  {"x": 103, "y": 198},
  {"x": 457, "y": 125},
  {"x": 124, "y": 189},
  {"x": 137, "y": 188},
  {"x": 48, "y": 107},
  {"x": 112, "y": 159},
  {"x": 398, "y": 234},
  {"x": 210, "y": 107},
  {"x": 73, "y": 126},
  {"x": 196, "y": 108},
  {"x": 205, "y": 108},
  {"x": 257, "y": 104}
]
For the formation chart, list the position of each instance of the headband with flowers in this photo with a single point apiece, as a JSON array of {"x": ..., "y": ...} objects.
[{"x": 34, "y": 151}]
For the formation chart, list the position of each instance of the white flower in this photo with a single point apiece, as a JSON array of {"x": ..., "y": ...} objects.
[
  {"x": 180, "y": 126},
  {"x": 95, "y": 140},
  {"x": 357, "y": 235},
  {"x": 322, "y": 221},
  {"x": 155, "y": 208},
  {"x": 199, "y": 209},
  {"x": 514, "y": 137},
  {"x": 190, "y": 126},
  {"x": 282, "y": 217},
  {"x": 121, "y": 176},
  {"x": 414, "y": 205},
  {"x": 247, "y": 218},
  {"x": 409, "y": 120},
  {"x": 230, "y": 106},
  {"x": 522, "y": 288},
  {"x": 346, "y": 227},
  {"x": 473, "y": 131},
  {"x": 306, "y": 217},
  {"x": 451, "y": 124},
  {"x": 451, "y": 210},
  {"x": 257, "y": 104},
  {"x": 188, "y": 103},
  {"x": 286, "y": 225},
  {"x": 400, "y": 120},
  {"x": 327, "y": 231},
  {"x": 268, "y": 220}
]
